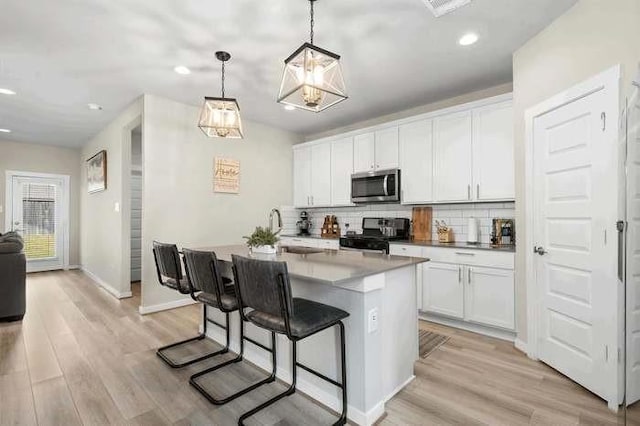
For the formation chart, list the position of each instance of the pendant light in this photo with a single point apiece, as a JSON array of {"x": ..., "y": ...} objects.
[
  {"x": 220, "y": 117},
  {"x": 312, "y": 77}
]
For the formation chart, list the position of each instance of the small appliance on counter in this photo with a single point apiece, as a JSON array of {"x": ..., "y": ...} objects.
[
  {"x": 445, "y": 234},
  {"x": 304, "y": 224},
  {"x": 472, "y": 231},
  {"x": 503, "y": 232},
  {"x": 330, "y": 228},
  {"x": 376, "y": 234}
]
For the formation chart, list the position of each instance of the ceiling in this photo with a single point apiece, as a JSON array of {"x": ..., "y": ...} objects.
[{"x": 61, "y": 55}]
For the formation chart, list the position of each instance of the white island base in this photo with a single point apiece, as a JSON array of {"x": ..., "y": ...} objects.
[{"x": 381, "y": 341}]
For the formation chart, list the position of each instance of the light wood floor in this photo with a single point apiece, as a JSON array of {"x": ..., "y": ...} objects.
[{"x": 82, "y": 357}]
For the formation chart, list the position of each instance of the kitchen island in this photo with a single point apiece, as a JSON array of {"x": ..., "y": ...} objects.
[{"x": 379, "y": 293}]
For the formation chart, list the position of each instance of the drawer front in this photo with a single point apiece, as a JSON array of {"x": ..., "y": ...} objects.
[
  {"x": 298, "y": 242},
  {"x": 406, "y": 250},
  {"x": 328, "y": 244},
  {"x": 471, "y": 257}
]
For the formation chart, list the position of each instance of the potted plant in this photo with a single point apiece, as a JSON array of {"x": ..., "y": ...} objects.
[{"x": 263, "y": 240}]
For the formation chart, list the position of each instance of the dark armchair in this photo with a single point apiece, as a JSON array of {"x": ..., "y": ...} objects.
[{"x": 13, "y": 273}]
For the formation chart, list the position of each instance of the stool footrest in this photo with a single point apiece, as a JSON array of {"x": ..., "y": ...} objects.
[{"x": 320, "y": 375}]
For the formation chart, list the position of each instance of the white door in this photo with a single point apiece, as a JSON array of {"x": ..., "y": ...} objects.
[
  {"x": 302, "y": 177},
  {"x": 443, "y": 292},
  {"x": 489, "y": 297},
  {"x": 416, "y": 161},
  {"x": 386, "y": 149},
  {"x": 321, "y": 174},
  {"x": 575, "y": 209},
  {"x": 341, "y": 171},
  {"x": 38, "y": 212},
  {"x": 452, "y": 157},
  {"x": 363, "y": 153},
  {"x": 493, "y": 161},
  {"x": 633, "y": 250}
]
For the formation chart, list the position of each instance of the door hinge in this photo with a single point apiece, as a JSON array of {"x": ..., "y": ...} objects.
[
  {"x": 606, "y": 353},
  {"x": 619, "y": 355},
  {"x": 603, "y": 116}
]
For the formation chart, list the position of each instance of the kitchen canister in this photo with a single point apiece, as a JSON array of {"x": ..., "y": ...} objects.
[{"x": 472, "y": 231}]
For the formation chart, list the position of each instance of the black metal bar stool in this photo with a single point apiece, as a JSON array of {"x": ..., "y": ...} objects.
[
  {"x": 264, "y": 287},
  {"x": 203, "y": 271},
  {"x": 167, "y": 258}
]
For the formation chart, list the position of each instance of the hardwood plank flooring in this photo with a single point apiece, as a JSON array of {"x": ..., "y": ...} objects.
[{"x": 82, "y": 357}]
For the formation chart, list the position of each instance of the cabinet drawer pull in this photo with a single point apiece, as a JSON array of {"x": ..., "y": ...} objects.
[
  {"x": 469, "y": 275},
  {"x": 461, "y": 253},
  {"x": 459, "y": 274}
]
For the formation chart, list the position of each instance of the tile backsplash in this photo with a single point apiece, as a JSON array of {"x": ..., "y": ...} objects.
[{"x": 454, "y": 215}]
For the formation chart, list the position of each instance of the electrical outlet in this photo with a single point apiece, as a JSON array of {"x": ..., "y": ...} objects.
[
  {"x": 373, "y": 320},
  {"x": 116, "y": 207}
]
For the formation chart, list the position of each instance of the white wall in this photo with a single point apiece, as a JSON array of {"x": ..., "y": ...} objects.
[
  {"x": 179, "y": 204},
  {"x": 29, "y": 157},
  {"x": 102, "y": 236},
  {"x": 589, "y": 38}
]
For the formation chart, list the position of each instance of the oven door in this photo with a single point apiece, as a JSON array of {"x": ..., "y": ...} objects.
[{"x": 375, "y": 187}]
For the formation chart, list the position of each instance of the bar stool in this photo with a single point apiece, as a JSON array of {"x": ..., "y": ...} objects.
[
  {"x": 264, "y": 287},
  {"x": 207, "y": 283},
  {"x": 167, "y": 259}
]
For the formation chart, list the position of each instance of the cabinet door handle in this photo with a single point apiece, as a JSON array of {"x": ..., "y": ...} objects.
[
  {"x": 462, "y": 253},
  {"x": 468, "y": 192},
  {"x": 478, "y": 191},
  {"x": 312, "y": 200},
  {"x": 459, "y": 274},
  {"x": 469, "y": 275}
]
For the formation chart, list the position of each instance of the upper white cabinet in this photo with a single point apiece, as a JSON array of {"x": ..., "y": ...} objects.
[
  {"x": 463, "y": 154},
  {"x": 452, "y": 137},
  {"x": 364, "y": 147},
  {"x": 321, "y": 175},
  {"x": 376, "y": 150},
  {"x": 312, "y": 176},
  {"x": 302, "y": 177},
  {"x": 493, "y": 163},
  {"x": 341, "y": 171},
  {"x": 416, "y": 162}
]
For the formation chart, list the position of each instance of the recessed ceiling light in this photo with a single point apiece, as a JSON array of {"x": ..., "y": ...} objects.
[
  {"x": 5, "y": 131},
  {"x": 468, "y": 39},
  {"x": 181, "y": 69},
  {"x": 6, "y": 91},
  {"x": 94, "y": 107},
  {"x": 289, "y": 107}
]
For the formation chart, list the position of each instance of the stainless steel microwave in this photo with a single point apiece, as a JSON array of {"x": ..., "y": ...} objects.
[{"x": 381, "y": 186}]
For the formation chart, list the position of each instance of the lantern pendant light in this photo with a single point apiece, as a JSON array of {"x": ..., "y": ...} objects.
[
  {"x": 312, "y": 77},
  {"x": 220, "y": 117}
]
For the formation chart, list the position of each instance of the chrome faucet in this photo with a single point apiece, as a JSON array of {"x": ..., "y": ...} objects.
[{"x": 277, "y": 212}]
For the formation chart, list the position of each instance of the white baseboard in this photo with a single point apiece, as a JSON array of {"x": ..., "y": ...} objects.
[
  {"x": 475, "y": 328},
  {"x": 521, "y": 346},
  {"x": 71, "y": 267},
  {"x": 144, "y": 310},
  {"x": 108, "y": 287}
]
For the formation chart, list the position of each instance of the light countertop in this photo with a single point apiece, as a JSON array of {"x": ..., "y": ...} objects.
[{"x": 329, "y": 266}]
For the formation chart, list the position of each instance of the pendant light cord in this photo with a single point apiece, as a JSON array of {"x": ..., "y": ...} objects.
[
  {"x": 312, "y": 21},
  {"x": 223, "y": 79}
]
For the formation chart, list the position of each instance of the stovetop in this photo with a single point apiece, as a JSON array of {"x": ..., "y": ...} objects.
[{"x": 373, "y": 237}]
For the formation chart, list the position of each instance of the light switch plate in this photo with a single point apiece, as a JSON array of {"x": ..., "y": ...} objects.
[{"x": 373, "y": 320}]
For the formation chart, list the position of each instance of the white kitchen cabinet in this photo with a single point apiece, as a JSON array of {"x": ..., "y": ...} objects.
[
  {"x": 341, "y": 171},
  {"x": 302, "y": 177},
  {"x": 412, "y": 251},
  {"x": 386, "y": 149},
  {"x": 320, "y": 175},
  {"x": 452, "y": 138},
  {"x": 489, "y": 296},
  {"x": 416, "y": 161},
  {"x": 443, "y": 292},
  {"x": 493, "y": 163},
  {"x": 364, "y": 152}
]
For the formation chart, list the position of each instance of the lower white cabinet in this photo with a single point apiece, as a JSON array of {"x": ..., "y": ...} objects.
[
  {"x": 489, "y": 296},
  {"x": 442, "y": 289}
]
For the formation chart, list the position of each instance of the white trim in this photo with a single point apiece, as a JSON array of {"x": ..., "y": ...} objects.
[
  {"x": 604, "y": 79},
  {"x": 431, "y": 114},
  {"x": 106, "y": 286},
  {"x": 72, "y": 267},
  {"x": 497, "y": 333},
  {"x": 65, "y": 209},
  {"x": 144, "y": 310},
  {"x": 521, "y": 345}
]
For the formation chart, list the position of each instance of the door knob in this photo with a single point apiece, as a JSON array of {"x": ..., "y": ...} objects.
[{"x": 540, "y": 250}]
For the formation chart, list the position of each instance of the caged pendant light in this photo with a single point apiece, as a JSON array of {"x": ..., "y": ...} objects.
[
  {"x": 220, "y": 117},
  {"x": 312, "y": 77}
]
